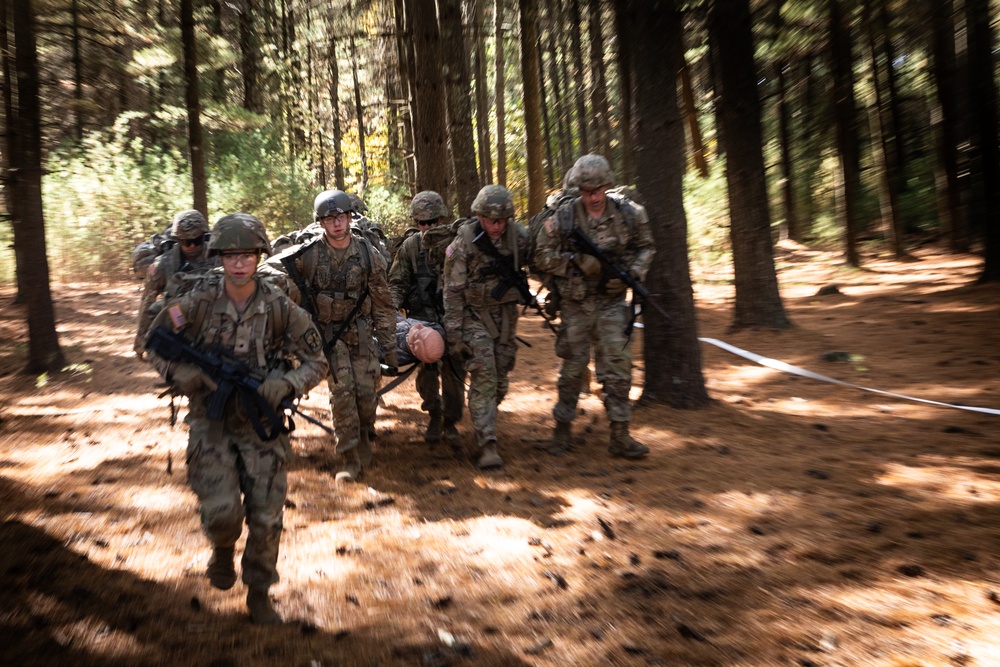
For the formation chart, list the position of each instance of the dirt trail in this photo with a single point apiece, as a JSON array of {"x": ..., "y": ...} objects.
[{"x": 792, "y": 522}]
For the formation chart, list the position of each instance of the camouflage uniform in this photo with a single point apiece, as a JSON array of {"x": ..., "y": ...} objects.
[
  {"x": 337, "y": 279},
  {"x": 227, "y": 458},
  {"x": 591, "y": 313},
  {"x": 487, "y": 325},
  {"x": 414, "y": 283},
  {"x": 187, "y": 225}
]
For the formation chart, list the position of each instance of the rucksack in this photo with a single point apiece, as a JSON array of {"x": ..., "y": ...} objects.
[
  {"x": 297, "y": 237},
  {"x": 146, "y": 252},
  {"x": 396, "y": 242}
]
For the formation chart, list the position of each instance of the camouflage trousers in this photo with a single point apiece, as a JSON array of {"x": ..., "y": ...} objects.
[
  {"x": 491, "y": 362},
  {"x": 599, "y": 322},
  {"x": 222, "y": 466},
  {"x": 447, "y": 403},
  {"x": 353, "y": 392}
]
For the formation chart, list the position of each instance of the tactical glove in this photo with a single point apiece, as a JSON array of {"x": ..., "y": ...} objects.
[
  {"x": 391, "y": 361},
  {"x": 615, "y": 287},
  {"x": 588, "y": 264},
  {"x": 461, "y": 351},
  {"x": 188, "y": 379},
  {"x": 275, "y": 391}
]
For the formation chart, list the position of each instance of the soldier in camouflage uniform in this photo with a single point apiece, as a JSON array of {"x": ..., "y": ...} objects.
[
  {"x": 255, "y": 322},
  {"x": 189, "y": 255},
  {"x": 349, "y": 294},
  {"x": 414, "y": 282},
  {"x": 480, "y": 322},
  {"x": 593, "y": 304}
]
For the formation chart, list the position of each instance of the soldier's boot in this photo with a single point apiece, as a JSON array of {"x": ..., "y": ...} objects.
[
  {"x": 562, "y": 438},
  {"x": 365, "y": 448},
  {"x": 221, "y": 572},
  {"x": 434, "y": 428},
  {"x": 622, "y": 443},
  {"x": 489, "y": 459},
  {"x": 259, "y": 605},
  {"x": 352, "y": 466}
]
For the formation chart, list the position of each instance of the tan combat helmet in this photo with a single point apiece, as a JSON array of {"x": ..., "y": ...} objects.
[
  {"x": 238, "y": 231},
  {"x": 591, "y": 172},
  {"x": 427, "y": 205},
  {"x": 188, "y": 225},
  {"x": 494, "y": 201}
]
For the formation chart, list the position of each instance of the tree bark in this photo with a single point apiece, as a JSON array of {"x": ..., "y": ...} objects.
[
  {"x": 249, "y": 57},
  {"x": 580, "y": 85},
  {"x": 671, "y": 348},
  {"x": 788, "y": 173},
  {"x": 482, "y": 96},
  {"x": 532, "y": 105},
  {"x": 949, "y": 187},
  {"x": 500, "y": 83},
  {"x": 550, "y": 179},
  {"x": 408, "y": 76},
  {"x": 601, "y": 126},
  {"x": 359, "y": 112},
  {"x": 558, "y": 103},
  {"x": 199, "y": 182},
  {"x": 691, "y": 116},
  {"x": 738, "y": 109},
  {"x": 44, "y": 352},
  {"x": 458, "y": 84},
  {"x": 429, "y": 119},
  {"x": 7, "y": 57},
  {"x": 984, "y": 149},
  {"x": 845, "y": 120},
  {"x": 624, "y": 59}
]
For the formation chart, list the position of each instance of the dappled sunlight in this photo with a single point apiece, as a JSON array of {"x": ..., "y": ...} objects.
[{"x": 943, "y": 481}]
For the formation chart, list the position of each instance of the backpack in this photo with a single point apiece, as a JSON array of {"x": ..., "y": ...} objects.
[
  {"x": 396, "y": 242},
  {"x": 297, "y": 237},
  {"x": 146, "y": 252}
]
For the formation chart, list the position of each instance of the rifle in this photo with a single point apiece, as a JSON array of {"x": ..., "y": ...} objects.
[
  {"x": 230, "y": 374},
  {"x": 586, "y": 246},
  {"x": 511, "y": 277}
]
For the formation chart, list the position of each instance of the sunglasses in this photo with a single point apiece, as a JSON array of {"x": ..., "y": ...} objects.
[
  {"x": 193, "y": 242},
  {"x": 426, "y": 223}
]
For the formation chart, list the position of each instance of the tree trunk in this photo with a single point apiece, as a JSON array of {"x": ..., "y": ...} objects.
[
  {"x": 77, "y": 57},
  {"x": 691, "y": 116},
  {"x": 580, "y": 86},
  {"x": 532, "y": 105},
  {"x": 788, "y": 173},
  {"x": 7, "y": 57},
  {"x": 949, "y": 186},
  {"x": 408, "y": 75},
  {"x": 550, "y": 178},
  {"x": 624, "y": 58},
  {"x": 359, "y": 112},
  {"x": 458, "y": 84},
  {"x": 500, "y": 83},
  {"x": 738, "y": 110},
  {"x": 984, "y": 151},
  {"x": 429, "y": 119},
  {"x": 482, "y": 96},
  {"x": 338, "y": 151},
  {"x": 249, "y": 57},
  {"x": 601, "y": 127},
  {"x": 44, "y": 352},
  {"x": 199, "y": 183},
  {"x": 845, "y": 120},
  {"x": 671, "y": 348},
  {"x": 559, "y": 103},
  {"x": 882, "y": 145}
]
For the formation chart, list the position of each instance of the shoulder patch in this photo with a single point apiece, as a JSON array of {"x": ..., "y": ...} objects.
[
  {"x": 448, "y": 251},
  {"x": 151, "y": 272},
  {"x": 550, "y": 224},
  {"x": 312, "y": 340},
  {"x": 177, "y": 316}
]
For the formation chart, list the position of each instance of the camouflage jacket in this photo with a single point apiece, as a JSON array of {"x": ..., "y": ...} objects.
[{"x": 160, "y": 279}]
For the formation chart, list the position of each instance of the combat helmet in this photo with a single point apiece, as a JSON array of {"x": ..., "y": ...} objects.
[
  {"x": 591, "y": 172},
  {"x": 331, "y": 202},
  {"x": 238, "y": 231},
  {"x": 427, "y": 205},
  {"x": 494, "y": 201},
  {"x": 359, "y": 204},
  {"x": 188, "y": 224}
]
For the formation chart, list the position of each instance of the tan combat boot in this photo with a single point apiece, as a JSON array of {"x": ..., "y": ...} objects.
[
  {"x": 221, "y": 572},
  {"x": 562, "y": 438},
  {"x": 488, "y": 457},
  {"x": 352, "y": 466},
  {"x": 261, "y": 611},
  {"x": 622, "y": 443}
]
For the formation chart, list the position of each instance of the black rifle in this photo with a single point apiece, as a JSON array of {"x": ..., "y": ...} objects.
[
  {"x": 586, "y": 246},
  {"x": 503, "y": 265},
  {"x": 230, "y": 375}
]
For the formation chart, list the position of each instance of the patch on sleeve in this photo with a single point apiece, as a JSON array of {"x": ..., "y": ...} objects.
[
  {"x": 177, "y": 316},
  {"x": 448, "y": 251},
  {"x": 151, "y": 272},
  {"x": 311, "y": 340},
  {"x": 550, "y": 224}
]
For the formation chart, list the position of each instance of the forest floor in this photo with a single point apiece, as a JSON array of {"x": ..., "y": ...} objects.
[{"x": 791, "y": 522}]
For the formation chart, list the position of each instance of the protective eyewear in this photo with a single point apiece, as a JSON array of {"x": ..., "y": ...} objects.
[{"x": 193, "y": 242}]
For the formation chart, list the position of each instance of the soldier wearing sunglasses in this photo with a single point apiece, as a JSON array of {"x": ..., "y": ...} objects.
[{"x": 189, "y": 254}]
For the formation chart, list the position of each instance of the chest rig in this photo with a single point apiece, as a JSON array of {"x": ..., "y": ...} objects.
[{"x": 340, "y": 288}]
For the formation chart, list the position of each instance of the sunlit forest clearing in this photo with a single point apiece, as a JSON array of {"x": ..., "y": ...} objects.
[{"x": 790, "y": 522}]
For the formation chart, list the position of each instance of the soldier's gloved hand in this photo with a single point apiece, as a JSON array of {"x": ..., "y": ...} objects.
[
  {"x": 275, "y": 391},
  {"x": 460, "y": 350},
  {"x": 615, "y": 287},
  {"x": 188, "y": 379},
  {"x": 588, "y": 264}
]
